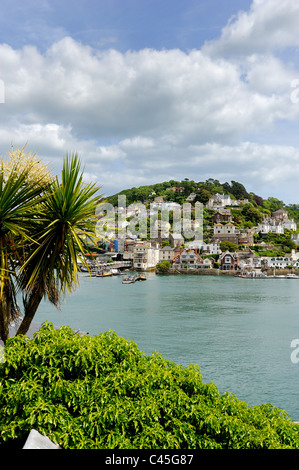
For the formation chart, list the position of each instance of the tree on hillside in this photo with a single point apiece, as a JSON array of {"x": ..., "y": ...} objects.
[
  {"x": 252, "y": 214},
  {"x": 272, "y": 204},
  {"x": 238, "y": 190},
  {"x": 226, "y": 245},
  {"x": 202, "y": 196},
  {"x": 45, "y": 229}
]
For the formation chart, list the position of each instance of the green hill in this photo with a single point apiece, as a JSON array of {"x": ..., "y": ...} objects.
[{"x": 178, "y": 191}]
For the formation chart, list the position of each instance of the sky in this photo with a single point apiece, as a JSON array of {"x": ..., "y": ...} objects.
[{"x": 146, "y": 91}]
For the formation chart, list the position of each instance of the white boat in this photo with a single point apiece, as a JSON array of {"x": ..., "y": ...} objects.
[{"x": 115, "y": 271}]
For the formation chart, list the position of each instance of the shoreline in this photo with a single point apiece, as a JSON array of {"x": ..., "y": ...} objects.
[{"x": 219, "y": 272}]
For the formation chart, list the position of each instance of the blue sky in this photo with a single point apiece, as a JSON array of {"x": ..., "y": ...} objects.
[
  {"x": 122, "y": 24},
  {"x": 146, "y": 90}
]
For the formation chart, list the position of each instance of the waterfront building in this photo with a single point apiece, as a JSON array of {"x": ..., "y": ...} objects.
[
  {"x": 191, "y": 259},
  {"x": 166, "y": 253},
  {"x": 280, "y": 262},
  {"x": 145, "y": 256},
  {"x": 229, "y": 261}
]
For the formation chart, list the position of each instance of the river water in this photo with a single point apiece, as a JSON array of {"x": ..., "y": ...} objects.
[{"x": 239, "y": 331}]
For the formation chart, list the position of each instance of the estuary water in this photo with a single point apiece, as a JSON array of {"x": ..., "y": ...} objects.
[{"x": 239, "y": 331}]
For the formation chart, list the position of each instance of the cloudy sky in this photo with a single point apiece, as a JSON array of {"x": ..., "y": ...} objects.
[{"x": 152, "y": 90}]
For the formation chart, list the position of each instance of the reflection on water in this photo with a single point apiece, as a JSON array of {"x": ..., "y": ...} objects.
[{"x": 238, "y": 331}]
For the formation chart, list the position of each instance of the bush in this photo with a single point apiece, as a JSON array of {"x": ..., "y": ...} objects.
[
  {"x": 102, "y": 392},
  {"x": 163, "y": 266}
]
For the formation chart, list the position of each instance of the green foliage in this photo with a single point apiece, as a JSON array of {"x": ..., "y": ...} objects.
[
  {"x": 226, "y": 245},
  {"x": 236, "y": 189},
  {"x": 163, "y": 265},
  {"x": 252, "y": 214},
  {"x": 45, "y": 228},
  {"x": 102, "y": 392}
]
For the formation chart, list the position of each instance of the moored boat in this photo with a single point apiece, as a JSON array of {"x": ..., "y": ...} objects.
[
  {"x": 105, "y": 274},
  {"x": 128, "y": 279}
]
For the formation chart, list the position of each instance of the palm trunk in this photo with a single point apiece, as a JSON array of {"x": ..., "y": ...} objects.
[
  {"x": 4, "y": 321},
  {"x": 30, "y": 308},
  {"x": 37, "y": 293}
]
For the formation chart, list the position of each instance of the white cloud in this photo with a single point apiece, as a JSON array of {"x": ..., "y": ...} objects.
[
  {"x": 146, "y": 116},
  {"x": 269, "y": 25},
  {"x": 108, "y": 94}
]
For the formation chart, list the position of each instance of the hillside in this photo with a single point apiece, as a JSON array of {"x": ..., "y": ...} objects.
[{"x": 178, "y": 191}]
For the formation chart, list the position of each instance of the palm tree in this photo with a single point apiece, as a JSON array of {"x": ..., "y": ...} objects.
[
  {"x": 64, "y": 224},
  {"x": 19, "y": 193}
]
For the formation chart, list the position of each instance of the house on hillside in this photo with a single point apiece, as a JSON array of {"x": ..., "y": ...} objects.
[
  {"x": 270, "y": 225},
  {"x": 218, "y": 201},
  {"x": 222, "y": 215},
  {"x": 205, "y": 248},
  {"x": 289, "y": 224},
  {"x": 245, "y": 236},
  {"x": 295, "y": 238},
  {"x": 191, "y": 197},
  {"x": 225, "y": 232},
  {"x": 176, "y": 239},
  {"x": 280, "y": 214}
]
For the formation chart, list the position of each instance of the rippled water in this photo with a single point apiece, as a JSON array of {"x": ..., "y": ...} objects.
[{"x": 239, "y": 331}]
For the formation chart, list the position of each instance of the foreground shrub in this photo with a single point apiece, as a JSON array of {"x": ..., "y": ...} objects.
[{"x": 103, "y": 392}]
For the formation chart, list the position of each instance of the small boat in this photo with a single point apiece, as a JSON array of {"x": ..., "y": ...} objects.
[
  {"x": 128, "y": 279},
  {"x": 105, "y": 274},
  {"x": 292, "y": 276},
  {"x": 115, "y": 271},
  {"x": 141, "y": 277}
]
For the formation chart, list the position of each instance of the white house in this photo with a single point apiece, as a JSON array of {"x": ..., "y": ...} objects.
[
  {"x": 270, "y": 225},
  {"x": 289, "y": 224},
  {"x": 252, "y": 262},
  {"x": 145, "y": 256},
  {"x": 279, "y": 262},
  {"x": 207, "y": 248},
  {"x": 191, "y": 197},
  {"x": 295, "y": 238},
  {"x": 217, "y": 201}
]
